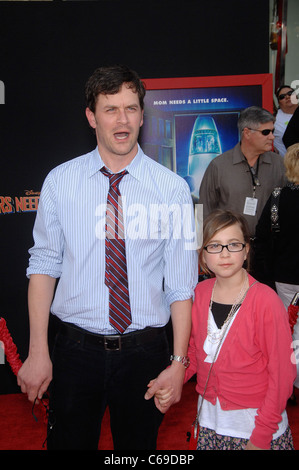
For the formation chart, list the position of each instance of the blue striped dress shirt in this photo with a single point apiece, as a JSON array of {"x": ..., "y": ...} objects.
[{"x": 69, "y": 241}]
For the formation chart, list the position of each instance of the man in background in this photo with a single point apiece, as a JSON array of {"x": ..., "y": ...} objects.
[{"x": 243, "y": 178}]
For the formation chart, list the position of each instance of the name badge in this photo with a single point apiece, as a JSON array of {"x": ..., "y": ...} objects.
[{"x": 250, "y": 206}]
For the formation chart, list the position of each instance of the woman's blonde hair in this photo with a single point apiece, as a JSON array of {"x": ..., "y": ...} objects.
[
  {"x": 291, "y": 162},
  {"x": 219, "y": 220}
]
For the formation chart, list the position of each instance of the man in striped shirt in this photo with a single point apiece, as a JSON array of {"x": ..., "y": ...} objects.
[{"x": 93, "y": 365}]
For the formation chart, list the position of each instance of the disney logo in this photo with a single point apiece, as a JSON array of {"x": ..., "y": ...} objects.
[{"x": 30, "y": 192}]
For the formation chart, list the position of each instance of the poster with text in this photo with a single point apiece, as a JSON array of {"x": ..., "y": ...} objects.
[{"x": 190, "y": 121}]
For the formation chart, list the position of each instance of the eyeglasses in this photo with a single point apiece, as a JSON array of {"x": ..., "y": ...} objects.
[
  {"x": 264, "y": 131},
  {"x": 234, "y": 247},
  {"x": 283, "y": 95}
]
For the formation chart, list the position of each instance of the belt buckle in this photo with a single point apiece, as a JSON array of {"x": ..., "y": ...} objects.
[{"x": 112, "y": 343}]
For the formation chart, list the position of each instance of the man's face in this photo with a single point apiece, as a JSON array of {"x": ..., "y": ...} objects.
[
  {"x": 259, "y": 142},
  {"x": 117, "y": 120}
]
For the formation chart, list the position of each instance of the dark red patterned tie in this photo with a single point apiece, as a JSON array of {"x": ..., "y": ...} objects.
[{"x": 116, "y": 265}]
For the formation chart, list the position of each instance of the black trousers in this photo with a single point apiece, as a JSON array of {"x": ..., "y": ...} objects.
[{"x": 87, "y": 378}]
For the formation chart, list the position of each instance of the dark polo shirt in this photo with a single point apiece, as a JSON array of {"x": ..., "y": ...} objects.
[{"x": 227, "y": 183}]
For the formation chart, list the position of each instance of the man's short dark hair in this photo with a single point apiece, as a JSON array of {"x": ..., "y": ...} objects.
[
  {"x": 253, "y": 117},
  {"x": 108, "y": 81}
]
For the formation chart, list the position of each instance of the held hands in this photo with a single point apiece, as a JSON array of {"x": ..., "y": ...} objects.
[
  {"x": 163, "y": 398},
  {"x": 167, "y": 387}
]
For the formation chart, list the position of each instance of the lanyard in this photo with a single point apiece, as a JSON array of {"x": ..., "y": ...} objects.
[{"x": 254, "y": 175}]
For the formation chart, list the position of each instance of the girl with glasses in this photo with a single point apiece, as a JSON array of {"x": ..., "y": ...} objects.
[{"x": 240, "y": 347}]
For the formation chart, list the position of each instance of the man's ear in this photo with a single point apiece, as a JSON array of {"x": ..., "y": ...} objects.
[
  {"x": 246, "y": 133},
  {"x": 142, "y": 115},
  {"x": 90, "y": 118}
]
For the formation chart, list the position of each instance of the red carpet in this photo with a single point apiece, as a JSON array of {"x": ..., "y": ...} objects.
[{"x": 19, "y": 431}]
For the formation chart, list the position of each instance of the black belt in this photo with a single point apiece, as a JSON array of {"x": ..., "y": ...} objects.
[{"x": 109, "y": 342}]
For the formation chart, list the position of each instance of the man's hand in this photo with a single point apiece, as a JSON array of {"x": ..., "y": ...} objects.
[
  {"x": 35, "y": 376},
  {"x": 167, "y": 387}
]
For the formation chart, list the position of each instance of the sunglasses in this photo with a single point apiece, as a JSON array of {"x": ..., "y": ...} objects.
[
  {"x": 264, "y": 131},
  {"x": 283, "y": 95}
]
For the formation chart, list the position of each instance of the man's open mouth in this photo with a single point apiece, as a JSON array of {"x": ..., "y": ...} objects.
[{"x": 121, "y": 135}]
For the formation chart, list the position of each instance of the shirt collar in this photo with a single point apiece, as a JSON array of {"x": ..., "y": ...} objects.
[
  {"x": 134, "y": 168},
  {"x": 95, "y": 163},
  {"x": 238, "y": 156}
]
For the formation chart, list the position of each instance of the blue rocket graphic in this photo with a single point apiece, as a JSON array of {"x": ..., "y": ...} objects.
[{"x": 204, "y": 146}]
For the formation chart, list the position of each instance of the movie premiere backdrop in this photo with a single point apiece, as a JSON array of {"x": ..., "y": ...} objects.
[
  {"x": 190, "y": 121},
  {"x": 49, "y": 49}
]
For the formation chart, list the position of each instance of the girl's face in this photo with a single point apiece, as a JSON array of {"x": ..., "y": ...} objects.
[{"x": 227, "y": 263}]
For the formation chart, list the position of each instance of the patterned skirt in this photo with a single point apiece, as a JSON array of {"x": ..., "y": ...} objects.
[{"x": 210, "y": 440}]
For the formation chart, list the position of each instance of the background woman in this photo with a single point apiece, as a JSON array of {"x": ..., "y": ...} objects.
[{"x": 278, "y": 253}]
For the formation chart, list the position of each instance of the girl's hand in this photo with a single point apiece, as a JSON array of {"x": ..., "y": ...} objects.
[
  {"x": 163, "y": 397},
  {"x": 250, "y": 446}
]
